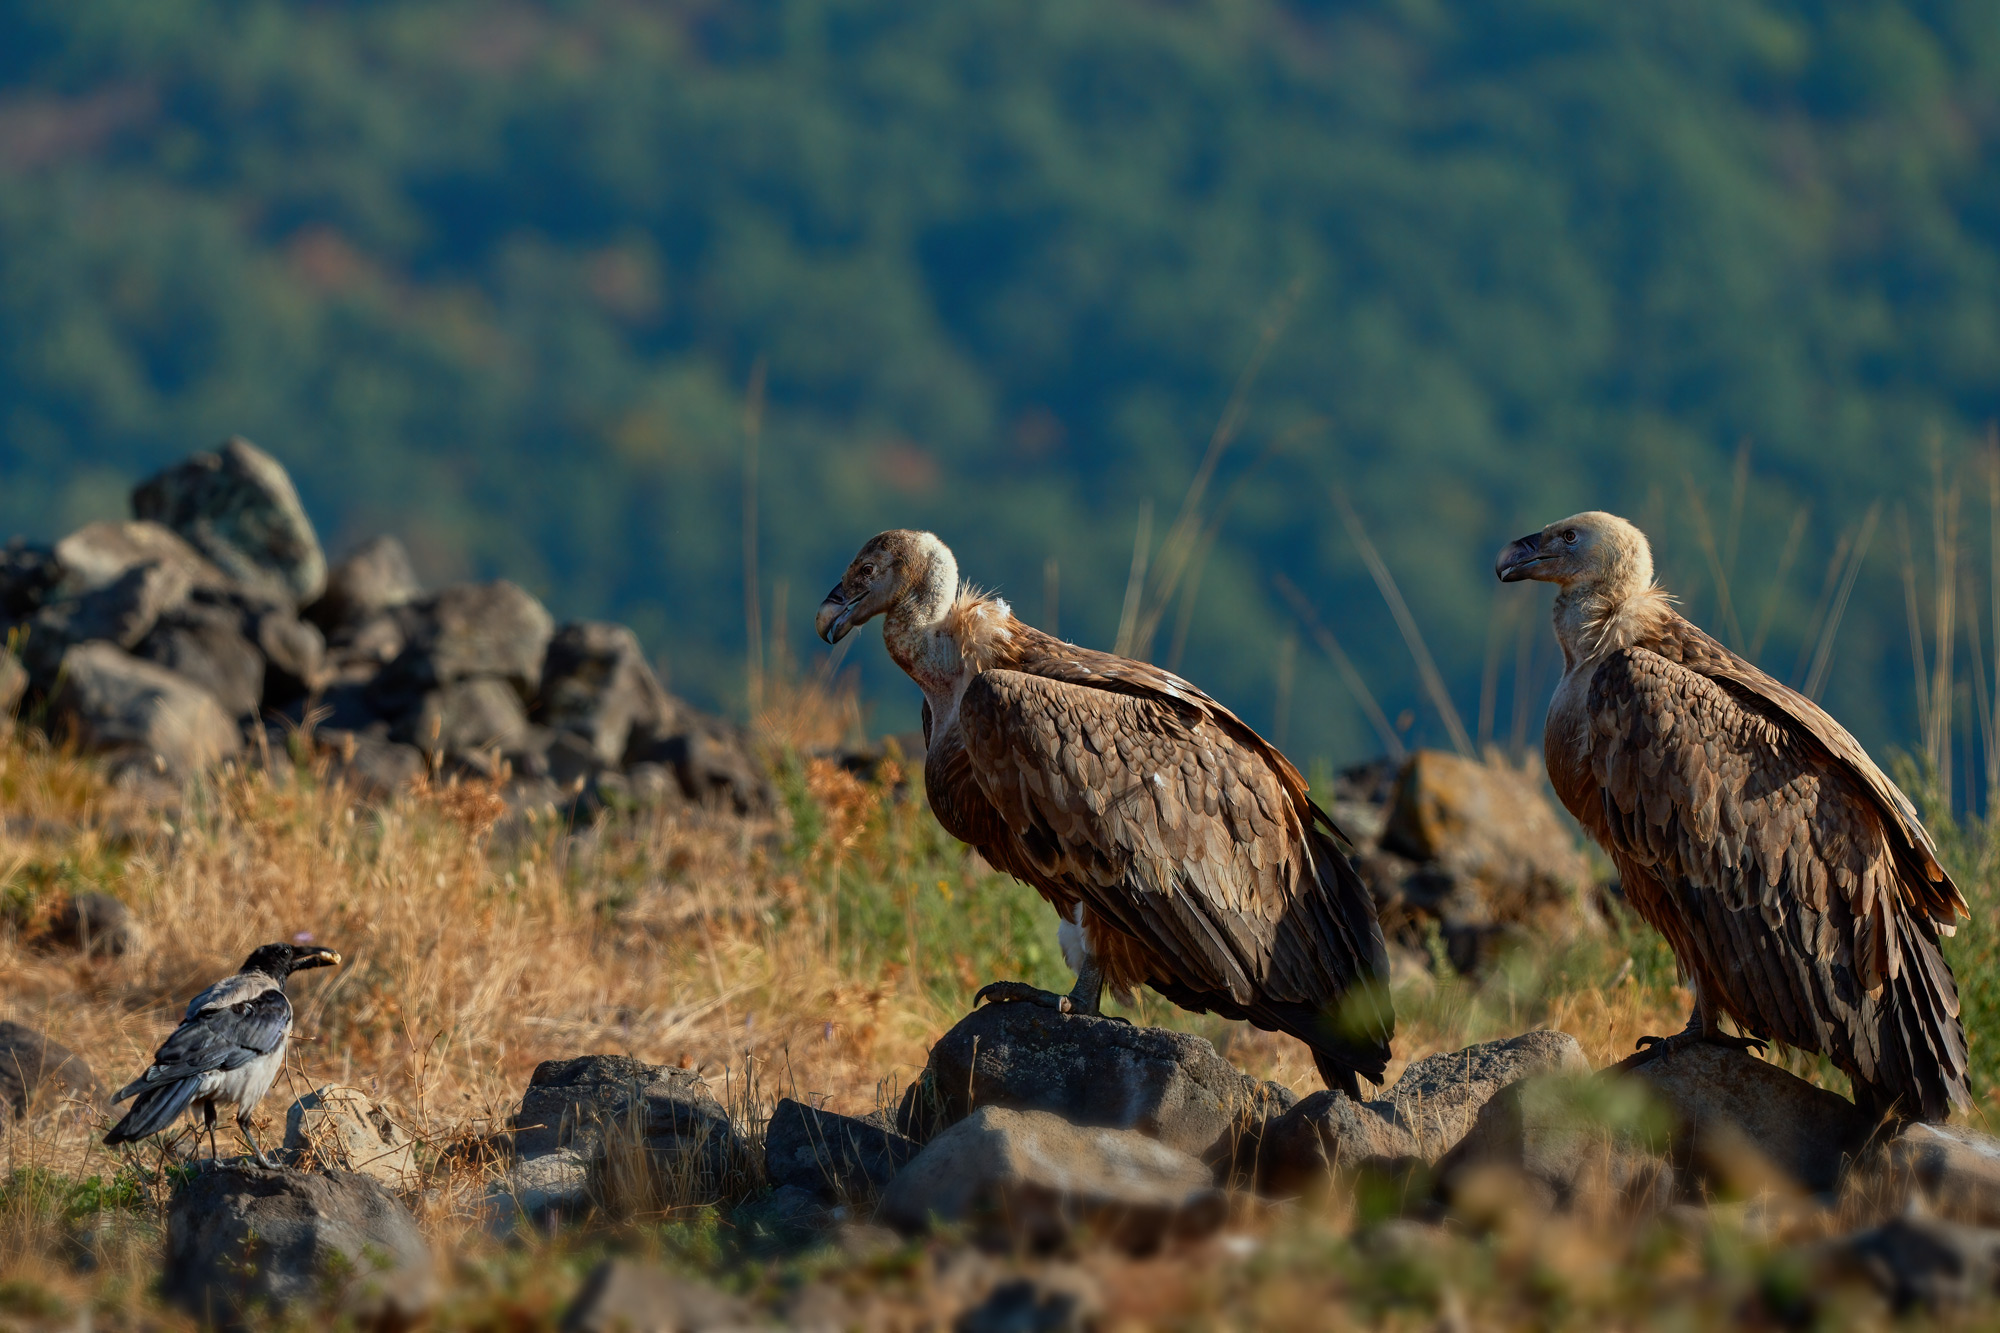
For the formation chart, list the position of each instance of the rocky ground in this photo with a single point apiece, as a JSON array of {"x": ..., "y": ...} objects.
[{"x": 654, "y": 1022}]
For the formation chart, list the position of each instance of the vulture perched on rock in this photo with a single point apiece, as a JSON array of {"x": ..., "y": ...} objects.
[
  {"x": 1801, "y": 894},
  {"x": 1178, "y": 846},
  {"x": 226, "y": 1051}
]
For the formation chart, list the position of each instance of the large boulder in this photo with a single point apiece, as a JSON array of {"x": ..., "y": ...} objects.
[
  {"x": 836, "y": 1158},
  {"x": 94, "y": 924},
  {"x": 541, "y": 1190},
  {"x": 712, "y": 760},
  {"x": 597, "y": 684},
  {"x": 375, "y": 578},
  {"x": 1591, "y": 1145},
  {"x": 343, "y": 1128},
  {"x": 98, "y": 554},
  {"x": 203, "y": 641},
  {"x": 624, "y": 1296},
  {"x": 34, "y": 1069},
  {"x": 122, "y": 613},
  {"x": 120, "y": 705},
  {"x": 1424, "y": 1114},
  {"x": 1171, "y": 1086},
  {"x": 466, "y": 716},
  {"x": 1921, "y": 1263},
  {"x": 1742, "y": 1124},
  {"x": 1029, "y": 1177},
  {"x": 1954, "y": 1167},
  {"x": 597, "y": 1101},
  {"x": 244, "y": 1243},
  {"x": 471, "y": 629},
  {"x": 238, "y": 507},
  {"x": 1487, "y": 824}
]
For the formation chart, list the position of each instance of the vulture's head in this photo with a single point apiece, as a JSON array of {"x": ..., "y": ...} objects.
[
  {"x": 279, "y": 961},
  {"x": 1594, "y": 550},
  {"x": 891, "y": 567}
]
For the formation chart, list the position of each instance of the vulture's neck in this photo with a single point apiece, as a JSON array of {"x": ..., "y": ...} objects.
[
  {"x": 943, "y": 637},
  {"x": 1598, "y": 619}
]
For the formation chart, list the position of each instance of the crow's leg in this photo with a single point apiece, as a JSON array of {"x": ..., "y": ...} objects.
[{"x": 250, "y": 1137}]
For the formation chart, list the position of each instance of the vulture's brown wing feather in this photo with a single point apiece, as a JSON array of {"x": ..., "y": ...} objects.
[
  {"x": 1152, "y": 812},
  {"x": 1932, "y": 889},
  {"x": 1776, "y": 873}
]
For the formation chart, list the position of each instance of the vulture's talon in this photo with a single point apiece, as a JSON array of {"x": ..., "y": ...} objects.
[{"x": 1020, "y": 992}]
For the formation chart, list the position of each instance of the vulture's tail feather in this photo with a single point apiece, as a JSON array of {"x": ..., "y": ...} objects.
[
  {"x": 1920, "y": 1071},
  {"x": 156, "y": 1109}
]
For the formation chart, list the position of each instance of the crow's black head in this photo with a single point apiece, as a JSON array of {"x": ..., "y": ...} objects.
[{"x": 281, "y": 960}]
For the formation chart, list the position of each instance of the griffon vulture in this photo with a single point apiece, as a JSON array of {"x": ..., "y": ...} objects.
[
  {"x": 1801, "y": 894},
  {"x": 226, "y": 1051},
  {"x": 1178, "y": 846}
]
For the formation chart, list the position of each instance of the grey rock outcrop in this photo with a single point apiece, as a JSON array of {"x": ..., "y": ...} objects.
[
  {"x": 98, "y": 554},
  {"x": 344, "y": 1129},
  {"x": 624, "y": 1296},
  {"x": 247, "y": 1241},
  {"x": 1029, "y": 1177},
  {"x": 1171, "y": 1086},
  {"x": 553, "y": 1186},
  {"x": 204, "y": 642},
  {"x": 1921, "y": 1262},
  {"x": 1557, "y": 1141},
  {"x": 94, "y": 924},
  {"x": 139, "y": 711},
  {"x": 469, "y": 630},
  {"x": 597, "y": 1100},
  {"x": 1955, "y": 1168},
  {"x": 238, "y": 507},
  {"x": 596, "y": 684},
  {"x": 1424, "y": 1114},
  {"x": 34, "y": 1069},
  {"x": 836, "y": 1158},
  {"x": 376, "y": 577}
]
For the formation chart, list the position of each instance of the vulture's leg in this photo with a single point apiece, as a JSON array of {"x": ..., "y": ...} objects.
[
  {"x": 250, "y": 1137},
  {"x": 1704, "y": 1025}
]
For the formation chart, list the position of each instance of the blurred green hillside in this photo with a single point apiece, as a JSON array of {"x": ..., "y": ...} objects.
[{"x": 496, "y": 278}]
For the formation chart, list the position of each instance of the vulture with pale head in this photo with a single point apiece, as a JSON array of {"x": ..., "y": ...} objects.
[
  {"x": 1178, "y": 846},
  {"x": 1800, "y": 892}
]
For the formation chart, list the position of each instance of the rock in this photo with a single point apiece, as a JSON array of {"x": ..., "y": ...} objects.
[
  {"x": 294, "y": 655},
  {"x": 34, "y": 1069},
  {"x": 94, "y": 924},
  {"x": 98, "y": 554},
  {"x": 1034, "y": 1178},
  {"x": 117, "y": 704},
  {"x": 837, "y": 1158},
  {"x": 1488, "y": 824},
  {"x": 1557, "y": 1141},
  {"x": 483, "y": 713},
  {"x": 204, "y": 642},
  {"x": 1924, "y": 1262},
  {"x": 375, "y": 577},
  {"x": 13, "y": 682},
  {"x": 121, "y": 612},
  {"x": 1423, "y": 1115},
  {"x": 1171, "y": 1086},
  {"x": 473, "y": 629},
  {"x": 712, "y": 761},
  {"x": 551, "y": 1187},
  {"x": 1056, "y": 1301},
  {"x": 238, "y": 507},
  {"x": 1957, "y": 1169},
  {"x": 1737, "y": 1120},
  {"x": 624, "y": 1296},
  {"x": 343, "y": 1128},
  {"x": 245, "y": 1237},
  {"x": 585, "y": 1100},
  {"x": 28, "y": 576},
  {"x": 596, "y": 683},
  {"x": 371, "y": 766}
]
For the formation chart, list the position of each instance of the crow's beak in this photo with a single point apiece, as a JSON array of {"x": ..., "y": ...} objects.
[
  {"x": 315, "y": 957},
  {"x": 833, "y": 620},
  {"x": 1517, "y": 558}
]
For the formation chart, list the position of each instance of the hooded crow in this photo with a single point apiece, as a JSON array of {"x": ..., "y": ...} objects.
[{"x": 227, "y": 1050}]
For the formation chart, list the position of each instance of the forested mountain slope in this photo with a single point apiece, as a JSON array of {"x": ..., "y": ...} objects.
[{"x": 497, "y": 277}]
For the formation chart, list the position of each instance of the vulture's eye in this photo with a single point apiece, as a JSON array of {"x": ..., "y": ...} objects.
[
  {"x": 1569, "y": 536},
  {"x": 868, "y": 571}
]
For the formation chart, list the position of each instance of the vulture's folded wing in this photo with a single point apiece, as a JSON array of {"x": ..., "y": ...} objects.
[
  {"x": 244, "y": 1022},
  {"x": 1781, "y": 866},
  {"x": 1154, "y": 816}
]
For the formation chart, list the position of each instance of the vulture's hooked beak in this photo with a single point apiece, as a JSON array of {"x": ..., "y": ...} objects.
[
  {"x": 314, "y": 957},
  {"x": 1518, "y": 557},
  {"x": 833, "y": 620}
]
